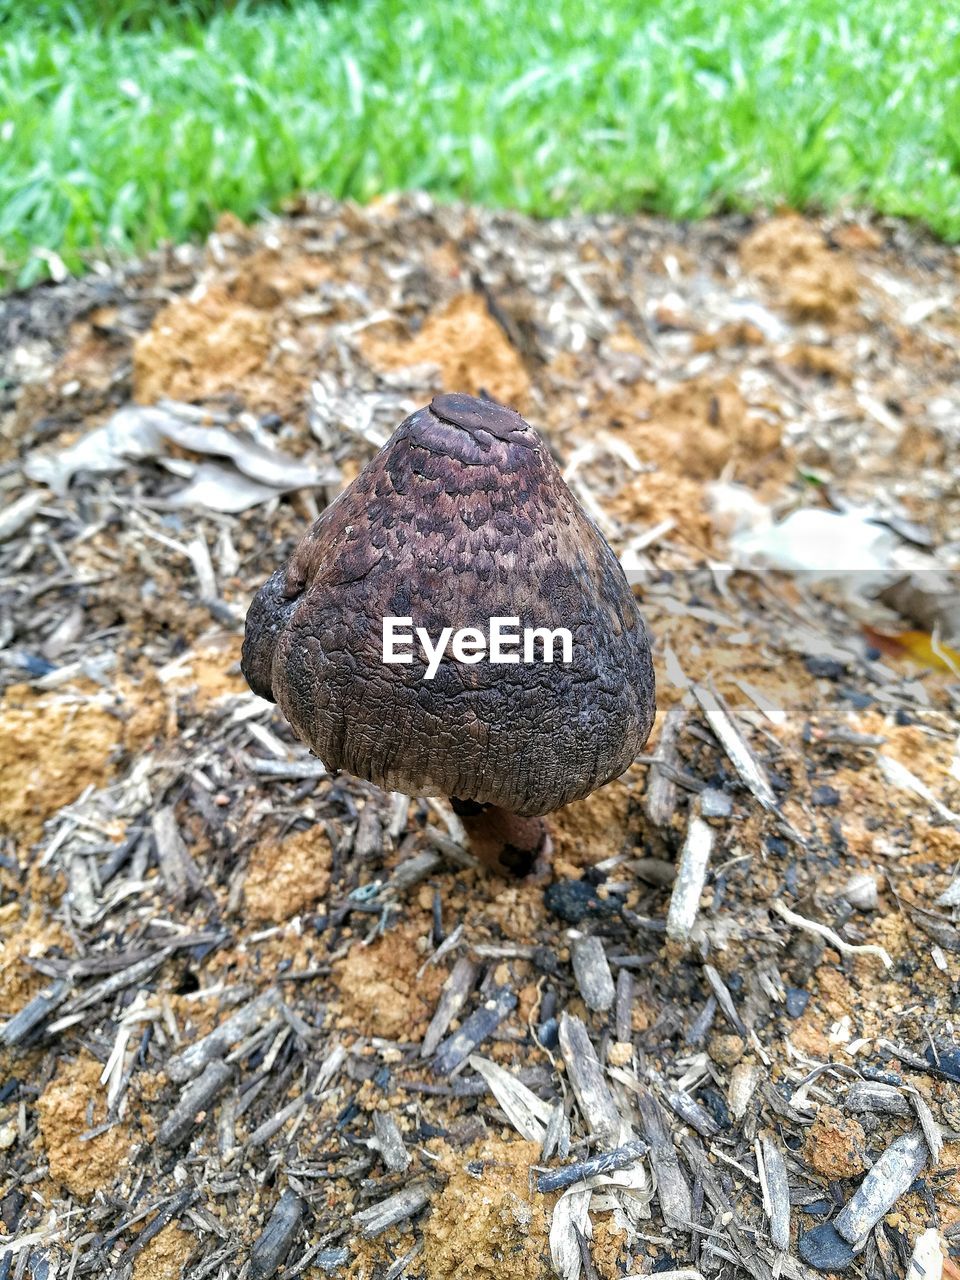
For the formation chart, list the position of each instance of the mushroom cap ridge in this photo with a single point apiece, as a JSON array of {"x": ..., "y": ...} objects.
[{"x": 462, "y": 516}]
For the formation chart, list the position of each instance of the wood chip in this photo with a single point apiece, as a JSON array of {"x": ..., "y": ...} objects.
[
  {"x": 751, "y": 771},
  {"x": 776, "y": 1191},
  {"x": 459, "y": 984},
  {"x": 587, "y": 1080},
  {"x": 608, "y": 1162},
  {"x": 592, "y": 972},
  {"x": 403, "y": 1204},
  {"x": 214, "y": 1044},
  {"x": 179, "y": 871},
  {"x": 624, "y": 1010},
  {"x": 34, "y": 1014},
  {"x": 480, "y": 1024},
  {"x": 691, "y": 877},
  {"x": 196, "y": 1098},
  {"x": 673, "y": 1191},
  {"x": 274, "y": 1242},
  {"x": 395, "y": 1155},
  {"x": 662, "y": 791},
  {"x": 928, "y": 1125},
  {"x": 684, "y": 1105},
  {"x": 749, "y": 1259},
  {"x": 725, "y": 1000},
  {"x": 885, "y": 1099},
  {"x": 891, "y": 1176}
]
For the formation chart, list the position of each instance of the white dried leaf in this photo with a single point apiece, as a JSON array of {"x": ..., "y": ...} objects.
[
  {"x": 901, "y": 777},
  {"x": 136, "y": 433},
  {"x": 744, "y": 1079},
  {"x": 571, "y": 1213},
  {"x": 927, "y": 1260},
  {"x": 528, "y": 1114},
  {"x": 19, "y": 514},
  {"x": 249, "y": 456},
  {"x": 220, "y": 488},
  {"x": 133, "y": 432}
]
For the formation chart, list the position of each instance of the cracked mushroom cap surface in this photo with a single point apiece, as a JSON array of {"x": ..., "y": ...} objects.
[{"x": 462, "y": 516}]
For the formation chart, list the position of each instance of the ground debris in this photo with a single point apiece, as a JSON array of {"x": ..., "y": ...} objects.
[
  {"x": 195, "y": 1099},
  {"x": 277, "y": 1237},
  {"x": 592, "y": 973},
  {"x": 257, "y": 1016},
  {"x": 480, "y": 1024},
  {"x": 886, "y": 1182}
]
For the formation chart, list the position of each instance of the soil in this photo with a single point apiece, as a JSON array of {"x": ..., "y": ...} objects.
[
  {"x": 686, "y": 377},
  {"x": 288, "y": 877},
  {"x": 487, "y": 1222},
  {"x": 51, "y": 749},
  {"x": 163, "y": 1257},
  {"x": 69, "y": 1107},
  {"x": 379, "y": 991},
  {"x": 471, "y": 350},
  {"x": 836, "y": 1144}
]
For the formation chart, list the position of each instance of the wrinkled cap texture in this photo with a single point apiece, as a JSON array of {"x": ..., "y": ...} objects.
[{"x": 462, "y": 516}]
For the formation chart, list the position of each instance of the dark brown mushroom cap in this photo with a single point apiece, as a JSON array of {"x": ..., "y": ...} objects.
[{"x": 462, "y": 516}]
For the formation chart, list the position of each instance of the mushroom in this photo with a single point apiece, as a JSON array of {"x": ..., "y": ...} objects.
[{"x": 462, "y": 517}]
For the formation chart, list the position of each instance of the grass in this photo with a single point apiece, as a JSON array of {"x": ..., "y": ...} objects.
[{"x": 123, "y": 124}]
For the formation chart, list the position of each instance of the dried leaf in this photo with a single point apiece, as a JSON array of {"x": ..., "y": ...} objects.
[{"x": 525, "y": 1111}]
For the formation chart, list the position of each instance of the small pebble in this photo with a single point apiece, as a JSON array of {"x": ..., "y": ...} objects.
[
  {"x": 946, "y": 1058},
  {"x": 796, "y": 1001},
  {"x": 857, "y": 699},
  {"x": 575, "y": 900},
  {"x": 715, "y": 1103},
  {"x": 824, "y": 796},
  {"x": 34, "y": 665},
  {"x": 715, "y": 804},
  {"x": 548, "y": 1033},
  {"x": 824, "y": 668},
  {"x": 725, "y": 1048},
  {"x": 825, "y": 1249}
]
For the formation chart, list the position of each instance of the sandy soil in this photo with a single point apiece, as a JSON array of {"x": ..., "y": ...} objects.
[{"x": 168, "y": 853}]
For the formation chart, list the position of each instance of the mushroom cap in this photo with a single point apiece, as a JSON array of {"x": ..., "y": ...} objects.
[{"x": 462, "y": 516}]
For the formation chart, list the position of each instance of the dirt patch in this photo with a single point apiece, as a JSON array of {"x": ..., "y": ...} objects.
[
  {"x": 23, "y": 939},
  {"x": 608, "y": 1248},
  {"x": 51, "y": 748},
  {"x": 209, "y": 672},
  {"x": 379, "y": 991},
  {"x": 793, "y": 257},
  {"x": 469, "y": 346},
  {"x": 72, "y": 1104},
  {"x": 199, "y": 349},
  {"x": 698, "y": 429},
  {"x": 288, "y": 877},
  {"x": 164, "y": 1257},
  {"x": 655, "y": 359},
  {"x": 836, "y": 1144},
  {"x": 592, "y": 829},
  {"x": 486, "y": 1222}
]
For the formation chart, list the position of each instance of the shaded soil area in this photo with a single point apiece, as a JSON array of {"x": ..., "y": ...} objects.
[{"x": 260, "y": 1020}]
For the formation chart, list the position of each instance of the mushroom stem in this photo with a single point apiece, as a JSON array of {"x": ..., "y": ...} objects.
[{"x": 504, "y": 842}]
